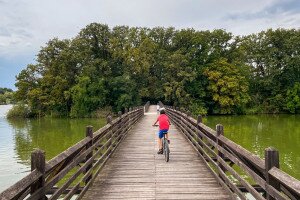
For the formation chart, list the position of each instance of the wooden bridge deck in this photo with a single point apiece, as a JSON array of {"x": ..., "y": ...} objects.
[{"x": 135, "y": 171}]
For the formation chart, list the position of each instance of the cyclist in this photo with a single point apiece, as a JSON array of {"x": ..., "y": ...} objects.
[{"x": 164, "y": 124}]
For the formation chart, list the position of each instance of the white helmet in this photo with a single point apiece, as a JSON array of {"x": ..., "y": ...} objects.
[{"x": 162, "y": 109}]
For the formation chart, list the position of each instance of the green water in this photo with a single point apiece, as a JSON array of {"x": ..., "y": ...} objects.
[
  {"x": 257, "y": 132},
  {"x": 19, "y": 137}
]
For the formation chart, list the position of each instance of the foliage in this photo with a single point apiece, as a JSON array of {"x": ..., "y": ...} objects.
[
  {"x": 274, "y": 60},
  {"x": 227, "y": 87},
  {"x": 203, "y": 71},
  {"x": 6, "y": 96},
  {"x": 4, "y": 90},
  {"x": 19, "y": 111},
  {"x": 293, "y": 99}
]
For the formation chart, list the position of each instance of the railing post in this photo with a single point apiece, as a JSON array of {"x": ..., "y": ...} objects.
[
  {"x": 108, "y": 119},
  {"x": 188, "y": 113},
  {"x": 129, "y": 118},
  {"x": 89, "y": 133},
  {"x": 119, "y": 113},
  {"x": 126, "y": 110},
  {"x": 38, "y": 162},
  {"x": 220, "y": 131},
  {"x": 271, "y": 160},
  {"x": 199, "y": 121},
  {"x": 120, "y": 125}
]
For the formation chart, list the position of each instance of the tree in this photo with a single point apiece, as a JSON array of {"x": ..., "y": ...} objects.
[
  {"x": 227, "y": 87},
  {"x": 203, "y": 71},
  {"x": 293, "y": 99}
]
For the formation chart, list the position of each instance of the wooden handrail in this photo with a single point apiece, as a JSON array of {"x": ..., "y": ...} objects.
[
  {"x": 287, "y": 181},
  {"x": 21, "y": 186},
  {"x": 147, "y": 105},
  {"x": 222, "y": 153},
  {"x": 88, "y": 156}
]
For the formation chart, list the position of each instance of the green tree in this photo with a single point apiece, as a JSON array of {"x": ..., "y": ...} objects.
[
  {"x": 293, "y": 99},
  {"x": 227, "y": 87}
]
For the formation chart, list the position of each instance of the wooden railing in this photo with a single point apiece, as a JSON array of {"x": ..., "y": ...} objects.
[
  {"x": 147, "y": 105},
  {"x": 229, "y": 162},
  {"x": 70, "y": 174}
]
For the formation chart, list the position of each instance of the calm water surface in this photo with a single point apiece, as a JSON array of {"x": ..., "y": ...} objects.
[
  {"x": 255, "y": 133},
  {"x": 19, "y": 137}
]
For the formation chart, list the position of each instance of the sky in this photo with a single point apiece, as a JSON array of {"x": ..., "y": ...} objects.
[{"x": 26, "y": 25}]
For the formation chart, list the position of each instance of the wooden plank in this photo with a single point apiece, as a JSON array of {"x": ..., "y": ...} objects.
[
  {"x": 89, "y": 133},
  {"x": 236, "y": 161},
  {"x": 61, "y": 174},
  {"x": 21, "y": 186},
  {"x": 38, "y": 162},
  {"x": 271, "y": 160},
  {"x": 56, "y": 168},
  {"x": 249, "y": 171},
  {"x": 249, "y": 188},
  {"x": 289, "y": 182},
  {"x": 64, "y": 155},
  {"x": 254, "y": 159},
  {"x": 221, "y": 174},
  {"x": 135, "y": 171}
]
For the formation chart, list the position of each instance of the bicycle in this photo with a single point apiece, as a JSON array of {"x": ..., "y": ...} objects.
[{"x": 165, "y": 145}]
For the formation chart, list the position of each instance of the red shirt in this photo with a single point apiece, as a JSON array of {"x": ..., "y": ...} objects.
[{"x": 163, "y": 121}]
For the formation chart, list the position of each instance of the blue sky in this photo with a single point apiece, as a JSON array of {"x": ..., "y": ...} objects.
[{"x": 26, "y": 25}]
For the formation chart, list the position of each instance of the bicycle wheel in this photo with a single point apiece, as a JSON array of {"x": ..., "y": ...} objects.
[{"x": 166, "y": 150}]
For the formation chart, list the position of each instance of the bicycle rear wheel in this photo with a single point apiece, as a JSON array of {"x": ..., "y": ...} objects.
[{"x": 166, "y": 150}]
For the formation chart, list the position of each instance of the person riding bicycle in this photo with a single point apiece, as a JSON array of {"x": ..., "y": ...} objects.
[{"x": 164, "y": 124}]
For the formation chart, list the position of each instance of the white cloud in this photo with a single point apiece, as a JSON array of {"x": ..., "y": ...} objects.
[{"x": 25, "y": 25}]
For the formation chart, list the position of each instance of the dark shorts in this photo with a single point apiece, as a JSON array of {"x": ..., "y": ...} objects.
[{"x": 162, "y": 132}]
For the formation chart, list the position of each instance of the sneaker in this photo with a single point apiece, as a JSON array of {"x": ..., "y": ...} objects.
[{"x": 160, "y": 151}]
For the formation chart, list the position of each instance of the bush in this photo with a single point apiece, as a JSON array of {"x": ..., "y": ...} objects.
[
  {"x": 19, "y": 111},
  {"x": 101, "y": 113},
  {"x": 293, "y": 99},
  {"x": 198, "y": 108}
]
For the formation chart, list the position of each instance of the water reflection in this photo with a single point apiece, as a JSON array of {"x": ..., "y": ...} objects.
[
  {"x": 257, "y": 132},
  {"x": 19, "y": 137},
  {"x": 51, "y": 135}
]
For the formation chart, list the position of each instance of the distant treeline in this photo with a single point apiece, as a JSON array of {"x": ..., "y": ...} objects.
[
  {"x": 210, "y": 72},
  {"x": 6, "y": 96}
]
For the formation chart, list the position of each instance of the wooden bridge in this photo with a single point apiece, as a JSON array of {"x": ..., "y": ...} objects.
[{"x": 119, "y": 161}]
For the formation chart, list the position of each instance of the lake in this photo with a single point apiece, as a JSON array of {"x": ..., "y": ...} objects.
[
  {"x": 19, "y": 137},
  {"x": 254, "y": 132},
  {"x": 257, "y": 132}
]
